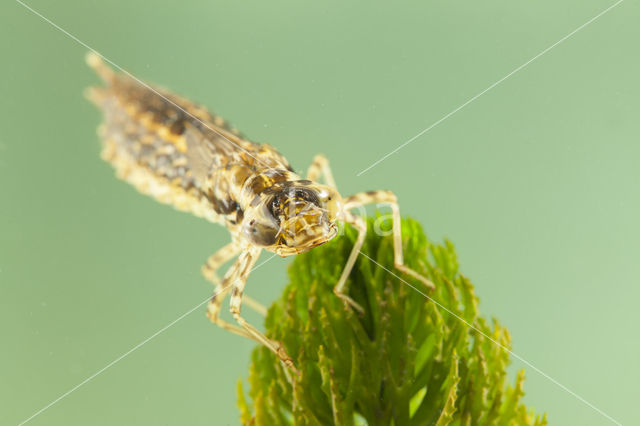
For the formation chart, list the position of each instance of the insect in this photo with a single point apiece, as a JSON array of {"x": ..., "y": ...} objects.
[{"x": 180, "y": 154}]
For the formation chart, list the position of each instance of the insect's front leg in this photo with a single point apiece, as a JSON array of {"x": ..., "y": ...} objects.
[
  {"x": 388, "y": 197},
  {"x": 320, "y": 167},
  {"x": 209, "y": 271},
  {"x": 222, "y": 289},
  {"x": 339, "y": 289},
  {"x": 237, "y": 278}
]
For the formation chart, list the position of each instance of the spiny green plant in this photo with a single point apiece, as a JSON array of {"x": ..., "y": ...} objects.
[{"x": 405, "y": 361}]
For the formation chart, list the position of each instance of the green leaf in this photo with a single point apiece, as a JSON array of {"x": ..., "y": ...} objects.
[{"x": 410, "y": 359}]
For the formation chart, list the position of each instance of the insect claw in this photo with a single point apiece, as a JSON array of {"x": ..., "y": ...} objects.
[
  {"x": 290, "y": 366},
  {"x": 286, "y": 360},
  {"x": 287, "y": 372}
]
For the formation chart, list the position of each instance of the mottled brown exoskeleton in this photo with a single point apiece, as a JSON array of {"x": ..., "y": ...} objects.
[{"x": 182, "y": 155}]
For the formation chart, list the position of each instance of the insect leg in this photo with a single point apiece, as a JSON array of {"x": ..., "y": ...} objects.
[
  {"x": 388, "y": 197},
  {"x": 217, "y": 259},
  {"x": 320, "y": 167},
  {"x": 211, "y": 266},
  {"x": 209, "y": 269},
  {"x": 238, "y": 278},
  {"x": 339, "y": 289},
  {"x": 213, "y": 312}
]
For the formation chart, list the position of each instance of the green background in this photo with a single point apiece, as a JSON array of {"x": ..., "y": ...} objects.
[{"x": 536, "y": 182}]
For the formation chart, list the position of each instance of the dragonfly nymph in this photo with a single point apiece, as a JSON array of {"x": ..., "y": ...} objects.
[{"x": 180, "y": 154}]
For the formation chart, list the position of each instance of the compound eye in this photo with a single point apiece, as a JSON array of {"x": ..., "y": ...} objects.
[
  {"x": 306, "y": 195},
  {"x": 261, "y": 234}
]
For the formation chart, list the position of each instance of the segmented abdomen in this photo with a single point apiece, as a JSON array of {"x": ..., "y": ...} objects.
[{"x": 174, "y": 150}]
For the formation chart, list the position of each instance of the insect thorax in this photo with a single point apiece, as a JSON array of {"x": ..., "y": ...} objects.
[{"x": 234, "y": 188}]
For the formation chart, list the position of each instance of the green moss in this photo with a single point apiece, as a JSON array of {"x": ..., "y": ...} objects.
[{"x": 406, "y": 361}]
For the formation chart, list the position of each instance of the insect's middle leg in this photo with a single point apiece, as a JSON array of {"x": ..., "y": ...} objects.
[
  {"x": 320, "y": 167},
  {"x": 217, "y": 259},
  {"x": 388, "y": 197}
]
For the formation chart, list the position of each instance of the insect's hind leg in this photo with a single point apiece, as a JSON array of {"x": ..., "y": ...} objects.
[
  {"x": 388, "y": 197},
  {"x": 320, "y": 167}
]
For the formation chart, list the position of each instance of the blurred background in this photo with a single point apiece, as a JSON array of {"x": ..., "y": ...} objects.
[{"x": 536, "y": 182}]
